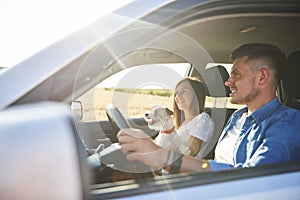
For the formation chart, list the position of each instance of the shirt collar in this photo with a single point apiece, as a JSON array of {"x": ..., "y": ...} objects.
[
  {"x": 263, "y": 112},
  {"x": 266, "y": 110}
]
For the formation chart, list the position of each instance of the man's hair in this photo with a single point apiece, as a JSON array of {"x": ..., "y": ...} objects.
[{"x": 270, "y": 55}]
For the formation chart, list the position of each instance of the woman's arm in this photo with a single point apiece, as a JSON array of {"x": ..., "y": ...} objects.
[
  {"x": 193, "y": 144},
  {"x": 200, "y": 131}
]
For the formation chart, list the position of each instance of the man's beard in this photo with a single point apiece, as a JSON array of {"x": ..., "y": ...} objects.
[{"x": 249, "y": 97}]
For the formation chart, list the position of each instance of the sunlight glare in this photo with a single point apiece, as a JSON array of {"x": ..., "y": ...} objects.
[{"x": 31, "y": 25}]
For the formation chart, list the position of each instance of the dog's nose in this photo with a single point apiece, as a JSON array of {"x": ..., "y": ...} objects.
[{"x": 146, "y": 114}]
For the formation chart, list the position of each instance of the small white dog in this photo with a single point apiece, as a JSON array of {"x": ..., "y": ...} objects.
[{"x": 160, "y": 119}]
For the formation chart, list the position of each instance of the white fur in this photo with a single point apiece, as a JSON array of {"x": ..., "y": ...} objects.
[{"x": 158, "y": 119}]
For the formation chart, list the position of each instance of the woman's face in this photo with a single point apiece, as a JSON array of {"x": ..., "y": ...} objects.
[{"x": 184, "y": 95}]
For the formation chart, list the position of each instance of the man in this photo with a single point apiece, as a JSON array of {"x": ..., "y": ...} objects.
[{"x": 264, "y": 132}]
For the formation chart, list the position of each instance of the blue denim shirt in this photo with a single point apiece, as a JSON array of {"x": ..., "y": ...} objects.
[{"x": 270, "y": 135}]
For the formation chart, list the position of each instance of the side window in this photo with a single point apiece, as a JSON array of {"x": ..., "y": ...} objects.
[
  {"x": 133, "y": 90},
  {"x": 221, "y": 102}
]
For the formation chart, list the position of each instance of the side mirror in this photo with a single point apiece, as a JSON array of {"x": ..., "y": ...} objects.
[
  {"x": 77, "y": 111},
  {"x": 54, "y": 164}
]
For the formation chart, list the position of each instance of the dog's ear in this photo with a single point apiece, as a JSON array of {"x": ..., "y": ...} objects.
[{"x": 169, "y": 112}]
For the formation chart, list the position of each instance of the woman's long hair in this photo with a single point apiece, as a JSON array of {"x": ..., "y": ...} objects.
[{"x": 197, "y": 103}]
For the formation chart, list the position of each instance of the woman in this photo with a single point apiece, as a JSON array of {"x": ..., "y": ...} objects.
[{"x": 193, "y": 127}]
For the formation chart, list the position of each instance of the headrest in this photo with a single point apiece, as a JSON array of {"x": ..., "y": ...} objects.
[
  {"x": 214, "y": 78},
  {"x": 291, "y": 80}
]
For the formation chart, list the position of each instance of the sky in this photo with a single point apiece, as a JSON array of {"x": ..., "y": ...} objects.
[
  {"x": 27, "y": 26},
  {"x": 147, "y": 77}
]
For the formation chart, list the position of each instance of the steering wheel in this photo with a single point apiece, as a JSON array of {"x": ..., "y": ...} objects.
[
  {"x": 116, "y": 119},
  {"x": 112, "y": 155}
]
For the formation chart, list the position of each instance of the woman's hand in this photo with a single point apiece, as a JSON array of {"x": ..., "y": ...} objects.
[{"x": 139, "y": 146}]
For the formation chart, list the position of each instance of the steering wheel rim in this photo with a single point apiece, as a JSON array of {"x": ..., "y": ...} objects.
[
  {"x": 116, "y": 119},
  {"x": 118, "y": 122}
]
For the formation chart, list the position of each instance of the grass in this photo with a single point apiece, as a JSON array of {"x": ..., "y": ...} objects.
[
  {"x": 133, "y": 103},
  {"x": 156, "y": 92}
]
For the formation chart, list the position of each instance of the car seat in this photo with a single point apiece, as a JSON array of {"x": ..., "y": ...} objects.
[
  {"x": 214, "y": 78},
  {"x": 291, "y": 80}
]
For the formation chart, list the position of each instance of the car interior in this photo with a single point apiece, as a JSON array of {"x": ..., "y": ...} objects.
[{"x": 218, "y": 36}]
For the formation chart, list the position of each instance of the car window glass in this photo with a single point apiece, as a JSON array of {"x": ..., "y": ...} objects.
[
  {"x": 134, "y": 91},
  {"x": 221, "y": 102}
]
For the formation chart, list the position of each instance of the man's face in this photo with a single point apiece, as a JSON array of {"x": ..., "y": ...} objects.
[{"x": 242, "y": 82}]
